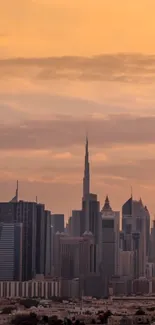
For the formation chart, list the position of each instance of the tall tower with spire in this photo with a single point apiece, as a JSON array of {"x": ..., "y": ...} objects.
[
  {"x": 86, "y": 178},
  {"x": 90, "y": 217}
]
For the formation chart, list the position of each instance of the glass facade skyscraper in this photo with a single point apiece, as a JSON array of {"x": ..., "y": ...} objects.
[{"x": 10, "y": 251}]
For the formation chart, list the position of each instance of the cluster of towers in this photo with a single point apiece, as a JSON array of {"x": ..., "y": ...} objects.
[
  {"x": 91, "y": 250},
  {"x": 121, "y": 256}
]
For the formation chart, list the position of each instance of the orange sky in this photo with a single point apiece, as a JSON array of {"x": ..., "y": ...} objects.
[
  {"x": 105, "y": 85},
  {"x": 59, "y": 27}
]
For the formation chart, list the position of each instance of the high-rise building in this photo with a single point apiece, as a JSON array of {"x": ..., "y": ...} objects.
[
  {"x": 31, "y": 215},
  {"x": 110, "y": 254},
  {"x": 74, "y": 257},
  {"x": 84, "y": 224},
  {"x": 26, "y": 213},
  {"x": 48, "y": 244},
  {"x": 8, "y": 209},
  {"x": 135, "y": 248},
  {"x": 58, "y": 223},
  {"x": 130, "y": 242},
  {"x": 136, "y": 229},
  {"x": 90, "y": 215},
  {"x": 127, "y": 218},
  {"x": 127, "y": 263},
  {"x": 76, "y": 222},
  {"x": 152, "y": 243},
  {"x": 11, "y": 251},
  {"x": 7, "y": 212},
  {"x": 86, "y": 178},
  {"x": 40, "y": 239},
  {"x": 147, "y": 227}
]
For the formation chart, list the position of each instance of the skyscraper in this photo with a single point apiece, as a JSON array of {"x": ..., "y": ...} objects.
[
  {"x": 40, "y": 239},
  {"x": 75, "y": 256},
  {"x": 58, "y": 222},
  {"x": 75, "y": 224},
  {"x": 86, "y": 178},
  {"x": 7, "y": 212},
  {"x": 152, "y": 243},
  {"x": 49, "y": 242},
  {"x": 90, "y": 215},
  {"x": 136, "y": 228},
  {"x": 110, "y": 258},
  {"x": 11, "y": 251},
  {"x": 26, "y": 213}
]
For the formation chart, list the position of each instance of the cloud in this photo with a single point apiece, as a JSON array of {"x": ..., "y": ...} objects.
[
  {"x": 124, "y": 68},
  {"x": 141, "y": 170},
  {"x": 46, "y": 104},
  {"x": 10, "y": 114},
  {"x": 113, "y": 172},
  {"x": 62, "y": 156},
  {"x": 63, "y": 132},
  {"x": 42, "y": 105}
]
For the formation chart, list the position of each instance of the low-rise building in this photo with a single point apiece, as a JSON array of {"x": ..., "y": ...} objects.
[{"x": 30, "y": 289}]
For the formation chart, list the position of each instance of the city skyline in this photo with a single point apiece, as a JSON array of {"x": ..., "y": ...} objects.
[
  {"x": 86, "y": 188},
  {"x": 66, "y": 68},
  {"x": 92, "y": 248}
]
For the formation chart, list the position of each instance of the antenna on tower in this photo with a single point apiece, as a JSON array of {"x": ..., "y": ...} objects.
[
  {"x": 131, "y": 191},
  {"x": 17, "y": 190}
]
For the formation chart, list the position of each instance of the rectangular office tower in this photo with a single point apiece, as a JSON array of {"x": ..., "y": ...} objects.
[
  {"x": 40, "y": 239},
  {"x": 136, "y": 232},
  {"x": 11, "y": 251},
  {"x": 91, "y": 222},
  {"x": 48, "y": 255},
  {"x": 26, "y": 213},
  {"x": 74, "y": 257},
  {"x": 32, "y": 216},
  {"x": 110, "y": 264},
  {"x": 58, "y": 222},
  {"x": 90, "y": 217},
  {"x": 76, "y": 223}
]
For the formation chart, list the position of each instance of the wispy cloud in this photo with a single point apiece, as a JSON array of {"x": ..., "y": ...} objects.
[
  {"x": 9, "y": 114},
  {"x": 63, "y": 132},
  {"x": 124, "y": 68}
]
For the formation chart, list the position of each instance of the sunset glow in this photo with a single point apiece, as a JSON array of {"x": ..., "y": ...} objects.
[{"x": 68, "y": 67}]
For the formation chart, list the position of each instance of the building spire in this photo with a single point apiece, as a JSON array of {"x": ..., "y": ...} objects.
[
  {"x": 15, "y": 198},
  {"x": 86, "y": 179},
  {"x": 106, "y": 206},
  {"x": 131, "y": 191},
  {"x": 17, "y": 190}
]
